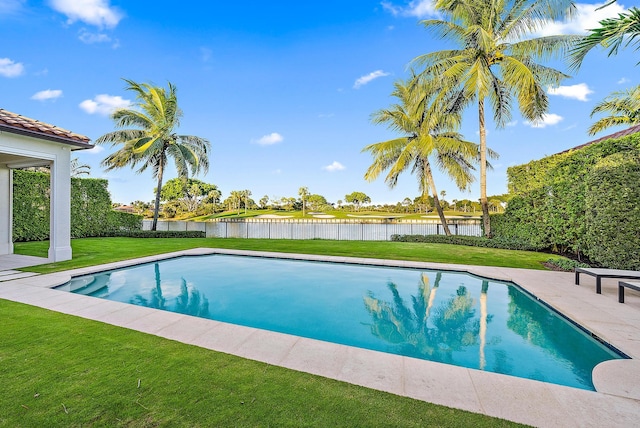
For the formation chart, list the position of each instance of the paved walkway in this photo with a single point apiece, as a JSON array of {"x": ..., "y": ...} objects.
[
  {"x": 10, "y": 262},
  {"x": 617, "y": 404}
]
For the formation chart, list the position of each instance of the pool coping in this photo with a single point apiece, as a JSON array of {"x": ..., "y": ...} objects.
[{"x": 521, "y": 400}]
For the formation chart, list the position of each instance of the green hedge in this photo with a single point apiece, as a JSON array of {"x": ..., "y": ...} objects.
[
  {"x": 551, "y": 201},
  {"x": 472, "y": 241},
  {"x": 158, "y": 234},
  {"x": 30, "y": 206},
  {"x": 91, "y": 212},
  {"x": 613, "y": 212}
]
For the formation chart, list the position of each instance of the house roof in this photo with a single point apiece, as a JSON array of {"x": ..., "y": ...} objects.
[
  {"x": 618, "y": 134},
  {"x": 18, "y": 124}
]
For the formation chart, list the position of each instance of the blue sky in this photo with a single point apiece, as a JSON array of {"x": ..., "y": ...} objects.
[{"x": 284, "y": 90}]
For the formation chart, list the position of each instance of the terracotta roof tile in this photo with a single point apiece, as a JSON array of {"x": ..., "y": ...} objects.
[
  {"x": 618, "y": 134},
  {"x": 23, "y": 125}
]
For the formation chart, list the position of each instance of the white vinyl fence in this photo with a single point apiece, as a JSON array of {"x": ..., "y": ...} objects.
[{"x": 335, "y": 229}]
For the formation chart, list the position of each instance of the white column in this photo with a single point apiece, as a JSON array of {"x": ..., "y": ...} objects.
[
  {"x": 60, "y": 222},
  {"x": 6, "y": 210}
]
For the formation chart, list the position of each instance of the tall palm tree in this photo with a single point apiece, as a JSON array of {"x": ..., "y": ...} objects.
[
  {"x": 304, "y": 194},
  {"x": 613, "y": 34},
  {"x": 495, "y": 62},
  {"x": 235, "y": 200},
  {"x": 428, "y": 133},
  {"x": 624, "y": 107},
  {"x": 148, "y": 138}
]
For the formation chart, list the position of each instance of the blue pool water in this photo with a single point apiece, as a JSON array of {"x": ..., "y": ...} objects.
[{"x": 449, "y": 317}]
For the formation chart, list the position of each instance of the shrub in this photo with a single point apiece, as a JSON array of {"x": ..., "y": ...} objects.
[
  {"x": 550, "y": 208},
  {"x": 566, "y": 264},
  {"x": 613, "y": 212},
  {"x": 91, "y": 213},
  {"x": 119, "y": 221},
  {"x": 472, "y": 241},
  {"x": 157, "y": 234},
  {"x": 30, "y": 206}
]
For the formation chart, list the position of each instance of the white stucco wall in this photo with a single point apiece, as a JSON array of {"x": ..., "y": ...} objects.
[
  {"x": 21, "y": 151},
  {"x": 6, "y": 246}
]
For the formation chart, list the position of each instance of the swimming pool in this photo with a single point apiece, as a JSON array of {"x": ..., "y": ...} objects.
[{"x": 448, "y": 317}]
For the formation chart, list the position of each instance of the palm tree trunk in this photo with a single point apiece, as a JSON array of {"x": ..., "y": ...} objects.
[
  {"x": 429, "y": 177},
  {"x": 483, "y": 171},
  {"x": 156, "y": 208}
]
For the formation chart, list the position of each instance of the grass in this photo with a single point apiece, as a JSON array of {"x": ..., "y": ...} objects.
[
  {"x": 93, "y": 251},
  {"x": 59, "y": 370}
]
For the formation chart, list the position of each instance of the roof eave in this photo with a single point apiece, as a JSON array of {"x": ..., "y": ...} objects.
[{"x": 79, "y": 145}]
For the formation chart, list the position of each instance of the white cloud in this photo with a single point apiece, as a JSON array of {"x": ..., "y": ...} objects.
[
  {"x": 47, "y": 94},
  {"x": 361, "y": 81},
  {"x": 623, "y": 80},
  {"x": 90, "y": 38},
  {"x": 93, "y": 12},
  {"x": 104, "y": 104},
  {"x": 269, "y": 139},
  {"x": 335, "y": 166},
  {"x": 547, "y": 120},
  {"x": 577, "y": 92},
  {"x": 587, "y": 17},
  {"x": 9, "y": 68},
  {"x": 512, "y": 123},
  {"x": 417, "y": 8}
]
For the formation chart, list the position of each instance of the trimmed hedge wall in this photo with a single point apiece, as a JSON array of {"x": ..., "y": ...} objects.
[
  {"x": 472, "y": 241},
  {"x": 613, "y": 212},
  {"x": 559, "y": 203},
  {"x": 91, "y": 213},
  {"x": 159, "y": 234},
  {"x": 30, "y": 206}
]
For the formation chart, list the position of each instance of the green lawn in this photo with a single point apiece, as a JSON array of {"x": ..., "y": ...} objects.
[
  {"x": 93, "y": 251},
  {"x": 62, "y": 371},
  {"x": 59, "y": 370}
]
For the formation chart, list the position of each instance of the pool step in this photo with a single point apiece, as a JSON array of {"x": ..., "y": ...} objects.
[{"x": 8, "y": 275}]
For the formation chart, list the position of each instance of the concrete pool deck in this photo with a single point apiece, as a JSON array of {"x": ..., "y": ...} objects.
[{"x": 617, "y": 402}]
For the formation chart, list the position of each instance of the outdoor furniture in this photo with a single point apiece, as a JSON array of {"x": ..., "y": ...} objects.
[
  {"x": 606, "y": 273},
  {"x": 621, "y": 286}
]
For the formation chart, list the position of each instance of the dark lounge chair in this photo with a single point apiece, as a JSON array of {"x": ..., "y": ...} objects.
[
  {"x": 621, "y": 287},
  {"x": 606, "y": 273}
]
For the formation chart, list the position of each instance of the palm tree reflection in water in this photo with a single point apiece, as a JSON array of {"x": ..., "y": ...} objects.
[
  {"x": 188, "y": 302},
  {"x": 425, "y": 331}
]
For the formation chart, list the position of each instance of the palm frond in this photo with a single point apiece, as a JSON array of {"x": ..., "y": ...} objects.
[
  {"x": 612, "y": 34},
  {"x": 608, "y": 122},
  {"x": 544, "y": 48},
  {"x": 623, "y": 107}
]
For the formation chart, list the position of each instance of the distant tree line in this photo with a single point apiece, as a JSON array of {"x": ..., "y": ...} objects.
[{"x": 186, "y": 198}]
